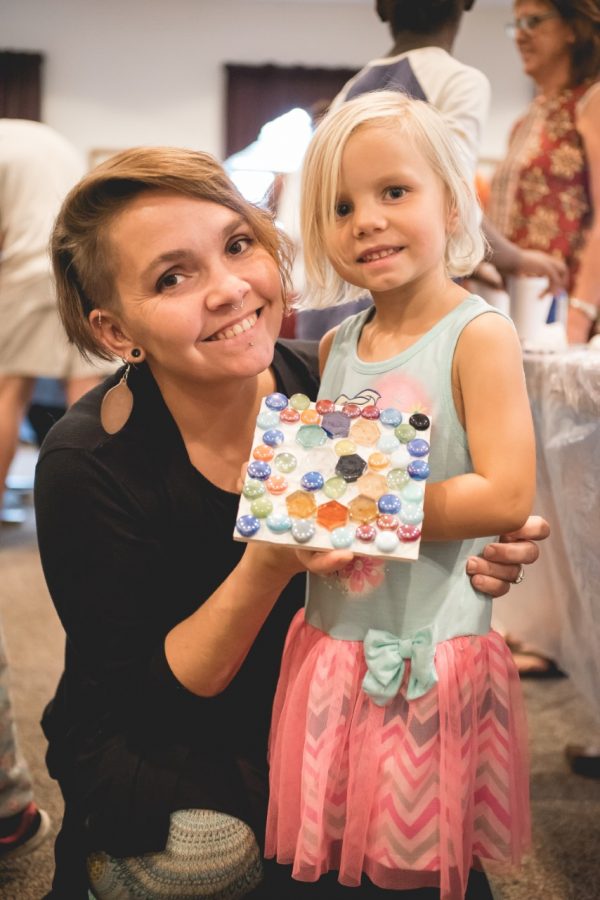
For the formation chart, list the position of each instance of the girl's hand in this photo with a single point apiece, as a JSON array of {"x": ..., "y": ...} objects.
[
  {"x": 324, "y": 562},
  {"x": 500, "y": 566}
]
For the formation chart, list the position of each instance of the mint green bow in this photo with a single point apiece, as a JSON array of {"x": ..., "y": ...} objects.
[{"x": 385, "y": 655}]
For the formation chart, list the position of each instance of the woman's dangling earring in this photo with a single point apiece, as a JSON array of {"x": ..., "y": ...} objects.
[{"x": 117, "y": 404}]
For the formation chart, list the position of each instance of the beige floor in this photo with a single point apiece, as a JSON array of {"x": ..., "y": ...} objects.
[{"x": 564, "y": 865}]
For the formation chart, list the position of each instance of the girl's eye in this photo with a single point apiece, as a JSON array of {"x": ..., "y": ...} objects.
[
  {"x": 342, "y": 209},
  {"x": 239, "y": 244},
  {"x": 170, "y": 280},
  {"x": 396, "y": 193}
]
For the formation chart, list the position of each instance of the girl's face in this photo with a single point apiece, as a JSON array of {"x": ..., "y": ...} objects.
[
  {"x": 392, "y": 216},
  {"x": 182, "y": 266},
  {"x": 543, "y": 43}
]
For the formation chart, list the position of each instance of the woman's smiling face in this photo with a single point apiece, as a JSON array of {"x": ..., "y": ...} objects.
[{"x": 197, "y": 292}]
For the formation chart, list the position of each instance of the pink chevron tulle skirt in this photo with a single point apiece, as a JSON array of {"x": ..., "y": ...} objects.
[{"x": 413, "y": 794}]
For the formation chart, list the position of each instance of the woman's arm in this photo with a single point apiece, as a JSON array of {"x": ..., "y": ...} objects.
[
  {"x": 587, "y": 285},
  {"x": 492, "y": 399},
  {"x": 501, "y": 562}
]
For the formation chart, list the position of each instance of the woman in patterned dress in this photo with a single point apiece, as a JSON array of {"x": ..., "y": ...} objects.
[{"x": 544, "y": 193}]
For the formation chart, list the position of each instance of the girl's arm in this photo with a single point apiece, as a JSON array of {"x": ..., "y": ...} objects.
[
  {"x": 491, "y": 400},
  {"x": 587, "y": 286},
  {"x": 325, "y": 345}
]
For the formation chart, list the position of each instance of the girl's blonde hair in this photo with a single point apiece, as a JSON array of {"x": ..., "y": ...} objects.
[
  {"x": 424, "y": 127},
  {"x": 82, "y": 258}
]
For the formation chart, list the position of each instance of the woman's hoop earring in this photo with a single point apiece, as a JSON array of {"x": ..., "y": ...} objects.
[{"x": 117, "y": 404}]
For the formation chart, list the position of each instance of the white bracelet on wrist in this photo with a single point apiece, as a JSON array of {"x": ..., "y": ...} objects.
[{"x": 589, "y": 309}]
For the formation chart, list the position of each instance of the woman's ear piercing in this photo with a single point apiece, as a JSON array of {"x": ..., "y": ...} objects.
[
  {"x": 136, "y": 352},
  {"x": 99, "y": 319}
]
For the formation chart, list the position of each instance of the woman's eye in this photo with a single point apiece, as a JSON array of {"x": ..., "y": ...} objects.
[
  {"x": 239, "y": 244},
  {"x": 396, "y": 193},
  {"x": 171, "y": 279},
  {"x": 342, "y": 209}
]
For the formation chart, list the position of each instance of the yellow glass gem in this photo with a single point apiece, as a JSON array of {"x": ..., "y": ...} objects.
[
  {"x": 363, "y": 509},
  {"x": 299, "y": 401},
  {"x": 301, "y": 505},
  {"x": 334, "y": 487},
  {"x": 310, "y": 417},
  {"x": 365, "y": 432},
  {"x": 344, "y": 447},
  {"x": 373, "y": 486},
  {"x": 378, "y": 461},
  {"x": 332, "y": 515}
]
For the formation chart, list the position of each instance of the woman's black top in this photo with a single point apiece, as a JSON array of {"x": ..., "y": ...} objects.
[{"x": 133, "y": 539}]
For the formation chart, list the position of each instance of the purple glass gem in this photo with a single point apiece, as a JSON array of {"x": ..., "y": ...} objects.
[
  {"x": 418, "y": 447},
  {"x": 391, "y": 417},
  {"x": 273, "y": 437},
  {"x": 336, "y": 424},
  {"x": 259, "y": 469},
  {"x": 312, "y": 481},
  {"x": 247, "y": 525},
  {"x": 419, "y": 421},
  {"x": 389, "y": 503},
  {"x": 350, "y": 467},
  {"x": 418, "y": 469},
  {"x": 276, "y": 401}
]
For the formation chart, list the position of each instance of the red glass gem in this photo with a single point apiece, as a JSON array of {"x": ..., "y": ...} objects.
[
  {"x": 289, "y": 415},
  {"x": 366, "y": 533},
  {"x": 324, "y": 406},
  {"x": 352, "y": 410},
  {"x": 370, "y": 412},
  {"x": 409, "y": 532},
  {"x": 387, "y": 522}
]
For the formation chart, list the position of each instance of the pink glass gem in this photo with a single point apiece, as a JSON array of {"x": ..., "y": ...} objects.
[
  {"x": 387, "y": 522},
  {"x": 366, "y": 533},
  {"x": 301, "y": 505},
  {"x": 332, "y": 515},
  {"x": 276, "y": 484},
  {"x": 352, "y": 410},
  {"x": 409, "y": 532},
  {"x": 289, "y": 415},
  {"x": 324, "y": 406},
  {"x": 263, "y": 453},
  {"x": 370, "y": 412}
]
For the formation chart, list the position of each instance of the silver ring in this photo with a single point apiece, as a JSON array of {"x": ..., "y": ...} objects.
[
  {"x": 239, "y": 305},
  {"x": 520, "y": 576}
]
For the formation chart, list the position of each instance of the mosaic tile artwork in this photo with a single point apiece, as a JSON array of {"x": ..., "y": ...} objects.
[{"x": 345, "y": 476}]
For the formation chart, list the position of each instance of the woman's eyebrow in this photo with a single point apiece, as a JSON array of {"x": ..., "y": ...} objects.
[{"x": 170, "y": 256}]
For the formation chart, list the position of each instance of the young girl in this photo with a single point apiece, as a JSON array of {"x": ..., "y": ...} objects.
[{"x": 398, "y": 742}]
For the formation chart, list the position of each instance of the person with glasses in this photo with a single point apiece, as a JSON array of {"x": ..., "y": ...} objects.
[{"x": 544, "y": 193}]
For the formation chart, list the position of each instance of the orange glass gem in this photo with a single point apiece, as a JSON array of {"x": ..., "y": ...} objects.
[
  {"x": 301, "y": 505},
  {"x": 332, "y": 515},
  {"x": 378, "y": 461},
  {"x": 263, "y": 453},
  {"x": 373, "y": 486},
  {"x": 276, "y": 484},
  {"x": 363, "y": 509},
  {"x": 310, "y": 417},
  {"x": 365, "y": 432}
]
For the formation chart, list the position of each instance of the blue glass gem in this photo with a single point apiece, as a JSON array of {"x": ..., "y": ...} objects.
[
  {"x": 258, "y": 469},
  {"x": 418, "y": 447},
  {"x": 312, "y": 481},
  {"x": 386, "y": 541},
  {"x": 279, "y": 523},
  {"x": 389, "y": 503},
  {"x": 418, "y": 469},
  {"x": 387, "y": 443},
  {"x": 273, "y": 437},
  {"x": 413, "y": 492},
  {"x": 268, "y": 418},
  {"x": 419, "y": 421},
  {"x": 303, "y": 530},
  {"x": 390, "y": 417},
  {"x": 350, "y": 467},
  {"x": 342, "y": 537},
  {"x": 247, "y": 525},
  {"x": 411, "y": 514},
  {"x": 276, "y": 401},
  {"x": 336, "y": 424}
]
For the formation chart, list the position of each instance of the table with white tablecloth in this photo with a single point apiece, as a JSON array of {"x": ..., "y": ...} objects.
[{"x": 557, "y": 607}]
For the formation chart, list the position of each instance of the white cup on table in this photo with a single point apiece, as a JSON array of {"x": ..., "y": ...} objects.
[{"x": 530, "y": 303}]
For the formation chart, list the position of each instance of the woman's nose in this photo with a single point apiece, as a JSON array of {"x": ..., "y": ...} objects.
[{"x": 226, "y": 289}]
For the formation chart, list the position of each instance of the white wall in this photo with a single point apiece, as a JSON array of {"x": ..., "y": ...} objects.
[{"x": 126, "y": 72}]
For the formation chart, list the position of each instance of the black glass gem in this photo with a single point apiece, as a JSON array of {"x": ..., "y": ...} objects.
[
  {"x": 350, "y": 467},
  {"x": 419, "y": 421}
]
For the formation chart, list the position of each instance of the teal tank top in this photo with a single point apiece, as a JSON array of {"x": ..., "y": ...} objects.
[{"x": 433, "y": 593}]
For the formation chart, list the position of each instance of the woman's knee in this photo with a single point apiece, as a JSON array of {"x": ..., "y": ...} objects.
[{"x": 208, "y": 855}]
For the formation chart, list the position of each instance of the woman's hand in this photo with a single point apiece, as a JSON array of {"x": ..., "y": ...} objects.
[
  {"x": 500, "y": 566},
  {"x": 539, "y": 264}
]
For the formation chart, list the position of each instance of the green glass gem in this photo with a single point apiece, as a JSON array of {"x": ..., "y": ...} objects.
[
  {"x": 285, "y": 462},
  {"x": 334, "y": 487},
  {"x": 311, "y": 436},
  {"x": 397, "y": 478},
  {"x": 299, "y": 401},
  {"x": 253, "y": 489},
  {"x": 262, "y": 507},
  {"x": 405, "y": 433}
]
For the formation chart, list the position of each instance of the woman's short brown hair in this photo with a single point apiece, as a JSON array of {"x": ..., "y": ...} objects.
[{"x": 83, "y": 267}]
